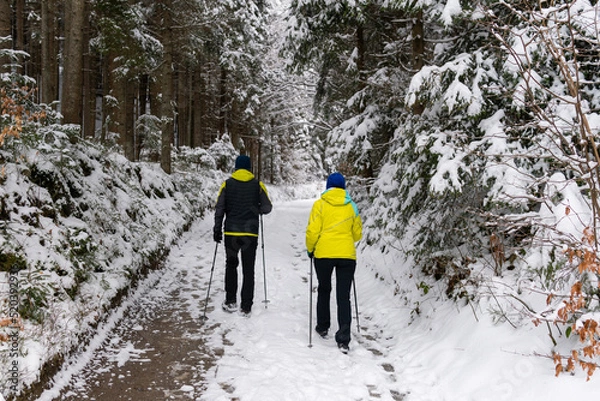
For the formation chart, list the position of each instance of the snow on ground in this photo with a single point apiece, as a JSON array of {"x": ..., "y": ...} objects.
[
  {"x": 443, "y": 355},
  {"x": 447, "y": 353}
]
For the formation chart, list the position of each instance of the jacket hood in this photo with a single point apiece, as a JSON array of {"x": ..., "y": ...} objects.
[
  {"x": 339, "y": 197},
  {"x": 336, "y": 196},
  {"x": 242, "y": 175}
]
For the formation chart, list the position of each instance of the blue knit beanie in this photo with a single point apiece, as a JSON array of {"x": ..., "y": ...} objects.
[
  {"x": 244, "y": 162},
  {"x": 336, "y": 180}
]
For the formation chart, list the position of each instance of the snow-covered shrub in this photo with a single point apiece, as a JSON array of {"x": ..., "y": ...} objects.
[
  {"x": 78, "y": 224},
  {"x": 148, "y": 130},
  {"x": 198, "y": 157},
  {"x": 549, "y": 55},
  {"x": 21, "y": 116},
  {"x": 223, "y": 153},
  {"x": 493, "y": 188},
  {"x": 432, "y": 192}
]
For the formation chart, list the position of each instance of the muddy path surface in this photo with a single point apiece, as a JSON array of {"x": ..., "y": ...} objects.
[
  {"x": 154, "y": 354},
  {"x": 154, "y": 347}
]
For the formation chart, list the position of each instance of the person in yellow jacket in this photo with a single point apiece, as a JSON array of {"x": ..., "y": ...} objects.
[{"x": 334, "y": 226}]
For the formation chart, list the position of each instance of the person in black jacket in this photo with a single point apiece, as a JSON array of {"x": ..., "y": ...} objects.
[{"x": 241, "y": 199}]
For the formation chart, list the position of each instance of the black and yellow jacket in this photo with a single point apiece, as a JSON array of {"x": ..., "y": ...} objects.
[{"x": 241, "y": 199}]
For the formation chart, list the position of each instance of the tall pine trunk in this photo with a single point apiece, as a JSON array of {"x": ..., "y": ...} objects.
[
  {"x": 19, "y": 33},
  {"x": 166, "y": 86},
  {"x": 5, "y": 34},
  {"x": 223, "y": 103},
  {"x": 120, "y": 111},
  {"x": 198, "y": 107},
  {"x": 117, "y": 89},
  {"x": 143, "y": 100},
  {"x": 128, "y": 141},
  {"x": 181, "y": 139},
  {"x": 49, "y": 84},
  {"x": 89, "y": 82},
  {"x": 418, "y": 52},
  {"x": 72, "y": 82},
  {"x": 166, "y": 112}
]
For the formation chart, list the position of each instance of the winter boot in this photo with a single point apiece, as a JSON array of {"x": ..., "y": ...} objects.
[{"x": 229, "y": 307}]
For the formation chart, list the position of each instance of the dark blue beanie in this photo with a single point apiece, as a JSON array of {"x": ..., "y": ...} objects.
[
  {"x": 336, "y": 180},
  {"x": 243, "y": 161}
]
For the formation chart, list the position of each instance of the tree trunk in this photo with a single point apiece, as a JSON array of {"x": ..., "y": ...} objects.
[
  {"x": 117, "y": 89},
  {"x": 360, "y": 59},
  {"x": 166, "y": 78},
  {"x": 166, "y": 112},
  {"x": 223, "y": 102},
  {"x": 72, "y": 94},
  {"x": 32, "y": 41},
  {"x": 5, "y": 33},
  {"x": 198, "y": 107},
  {"x": 49, "y": 84},
  {"x": 189, "y": 120},
  {"x": 94, "y": 110},
  {"x": 182, "y": 107},
  {"x": 19, "y": 34},
  {"x": 89, "y": 87},
  {"x": 128, "y": 142},
  {"x": 154, "y": 95},
  {"x": 418, "y": 53},
  {"x": 116, "y": 104},
  {"x": 106, "y": 106},
  {"x": 143, "y": 100}
]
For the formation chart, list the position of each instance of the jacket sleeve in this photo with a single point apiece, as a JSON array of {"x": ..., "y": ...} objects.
[
  {"x": 220, "y": 210},
  {"x": 356, "y": 223},
  {"x": 357, "y": 228},
  {"x": 314, "y": 228},
  {"x": 265, "y": 205}
]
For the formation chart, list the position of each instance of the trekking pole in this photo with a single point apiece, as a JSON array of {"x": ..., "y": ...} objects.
[
  {"x": 212, "y": 269},
  {"x": 356, "y": 305},
  {"x": 266, "y": 301},
  {"x": 310, "y": 305}
]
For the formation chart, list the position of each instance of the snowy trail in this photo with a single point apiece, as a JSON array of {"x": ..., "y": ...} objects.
[
  {"x": 152, "y": 346},
  {"x": 267, "y": 356},
  {"x": 156, "y": 346}
]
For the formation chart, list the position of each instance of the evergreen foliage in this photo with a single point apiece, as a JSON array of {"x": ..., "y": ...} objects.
[
  {"x": 469, "y": 132},
  {"x": 475, "y": 125},
  {"x": 80, "y": 222}
]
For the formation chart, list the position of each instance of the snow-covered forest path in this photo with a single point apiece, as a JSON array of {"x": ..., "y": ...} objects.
[{"x": 156, "y": 346}]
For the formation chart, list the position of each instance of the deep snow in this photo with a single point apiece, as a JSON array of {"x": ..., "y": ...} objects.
[{"x": 446, "y": 352}]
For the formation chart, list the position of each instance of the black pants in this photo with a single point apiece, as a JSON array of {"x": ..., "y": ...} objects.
[
  {"x": 344, "y": 275},
  {"x": 233, "y": 245}
]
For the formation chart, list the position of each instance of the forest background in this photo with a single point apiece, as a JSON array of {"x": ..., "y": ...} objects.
[{"x": 467, "y": 131}]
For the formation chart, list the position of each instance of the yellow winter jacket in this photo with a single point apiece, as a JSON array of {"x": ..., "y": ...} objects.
[{"x": 334, "y": 226}]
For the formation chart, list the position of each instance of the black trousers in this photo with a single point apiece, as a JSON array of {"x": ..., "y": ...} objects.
[
  {"x": 344, "y": 275},
  {"x": 247, "y": 246}
]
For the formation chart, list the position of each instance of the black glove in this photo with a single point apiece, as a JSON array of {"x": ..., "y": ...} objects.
[
  {"x": 310, "y": 254},
  {"x": 218, "y": 236}
]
